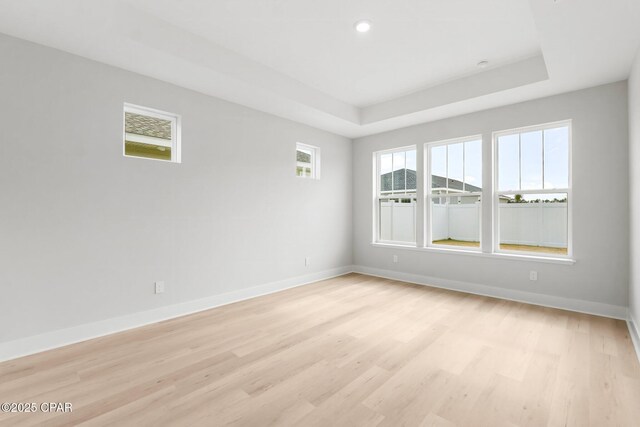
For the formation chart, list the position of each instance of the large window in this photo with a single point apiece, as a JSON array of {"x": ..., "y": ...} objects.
[
  {"x": 532, "y": 190},
  {"x": 453, "y": 199},
  {"x": 529, "y": 197},
  {"x": 396, "y": 195},
  {"x": 151, "y": 134}
]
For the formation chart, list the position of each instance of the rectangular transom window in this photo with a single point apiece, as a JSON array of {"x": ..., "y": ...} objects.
[
  {"x": 151, "y": 134},
  {"x": 533, "y": 190},
  {"x": 396, "y": 195},
  {"x": 453, "y": 201},
  {"x": 307, "y": 161}
]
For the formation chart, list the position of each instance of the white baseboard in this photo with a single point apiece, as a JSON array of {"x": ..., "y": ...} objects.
[
  {"x": 634, "y": 333},
  {"x": 50, "y": 340},
  {"x": 582, "y": 306}
]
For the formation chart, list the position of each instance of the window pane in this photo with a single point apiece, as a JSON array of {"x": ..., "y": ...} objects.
[
  {"x": 534, "y": 223},
  {"x": 411, "y": 170},
  {"x": 303, "y": 156},
  {"x": 399, "y": 171},
  {"x": 148, "y": 151},
  {"x": 473, "y": 166},
  {"x": 439, "y": 169},
  {"x": 455, "y": 221},
  {"x": 386, "y": 163},
  {"x": 151, "y": 127},
  {"x": 455, "y": 166},
  {"x": 556, "y": 158},
  {"x": 397, "y": 220},
  {"x": 147, "y": 137},
  {"x": 385, "y": 220},
  {"x": 508, "y": 163},
  {"x": 531, "y": 158}
]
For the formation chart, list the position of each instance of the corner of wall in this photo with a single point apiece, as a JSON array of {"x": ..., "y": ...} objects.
[
  {"x": 634, "y": 194},
  {"x": 352, "y": 142}
]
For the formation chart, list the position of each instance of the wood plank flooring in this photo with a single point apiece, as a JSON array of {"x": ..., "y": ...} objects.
[{"x": 350, "y": 351}]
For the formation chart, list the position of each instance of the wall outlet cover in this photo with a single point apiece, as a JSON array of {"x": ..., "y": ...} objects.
[{"x": 159, "y": 287}]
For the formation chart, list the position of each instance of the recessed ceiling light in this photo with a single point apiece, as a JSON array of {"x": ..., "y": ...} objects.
[
  {"x": 483, "y": 64},
  {"x": 362, "y": 26}
]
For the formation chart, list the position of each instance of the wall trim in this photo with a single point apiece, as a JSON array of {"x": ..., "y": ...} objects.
[
  {"x": 634, "y": 333},
  {"x": 62, "y": 337},
  {"x": 581, "y": 306}
]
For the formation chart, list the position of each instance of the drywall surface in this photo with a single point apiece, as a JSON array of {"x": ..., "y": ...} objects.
[
  {"x": 85, "y": 231},
  {"x": 600, "y": 200},
  {"x": 634, "y": 192}
]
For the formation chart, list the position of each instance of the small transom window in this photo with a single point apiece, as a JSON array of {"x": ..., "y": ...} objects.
[
  {"x": 307, "y": 161},
  {"x": 151, "y": 134}
]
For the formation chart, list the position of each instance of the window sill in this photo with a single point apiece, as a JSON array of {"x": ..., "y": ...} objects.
[{"x": 513, "y": 257}]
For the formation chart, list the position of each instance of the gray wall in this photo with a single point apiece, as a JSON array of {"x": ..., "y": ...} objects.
[
  {"x": 84, "y": 231},
  {"x": 600, "y": 199},
  {"x": 634, "y": 193}
]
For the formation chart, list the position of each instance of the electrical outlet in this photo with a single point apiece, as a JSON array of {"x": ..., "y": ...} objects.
[
  {"x": 395, "y": 258},
  {"x": 159, "y": 287},
  {"x": 533, "y": 275},
  {"x": 307, "y": 261}
]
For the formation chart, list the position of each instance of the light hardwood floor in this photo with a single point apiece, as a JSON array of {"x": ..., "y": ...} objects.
[{"x": 350, "y": 351}]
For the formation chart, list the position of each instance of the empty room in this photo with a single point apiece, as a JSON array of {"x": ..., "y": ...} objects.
[{"x": 320, "y": 213}]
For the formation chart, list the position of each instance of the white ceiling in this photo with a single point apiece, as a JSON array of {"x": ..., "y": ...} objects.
[
  {"x": 314, "y": 41},
  {"x": 302, "y": 59}
]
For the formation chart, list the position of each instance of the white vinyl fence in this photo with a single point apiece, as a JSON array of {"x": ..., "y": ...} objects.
[
  {"x": 398, "y": 221},
  {"x": 535, "y": 224},
  {"x": 456, "y": 222}
]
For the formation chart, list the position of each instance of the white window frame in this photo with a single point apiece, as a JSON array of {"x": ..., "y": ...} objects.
[
  {"x": 428, "y": 196},
  {"x": 315, "y": 160},
  {"x": 568, "y": 190},
  {"x": 378, "y": 197},
  {"x": 175, "y": 142}
]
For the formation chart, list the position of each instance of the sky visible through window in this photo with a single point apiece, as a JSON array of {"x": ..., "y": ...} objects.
[
  {"x": 473, "y": 163},
  {"x": 398, "y": 171},
  {"x": 464, "y": 162},
  {"x": 537, "y": 160},
  {"x": 526, "y": 159}
]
